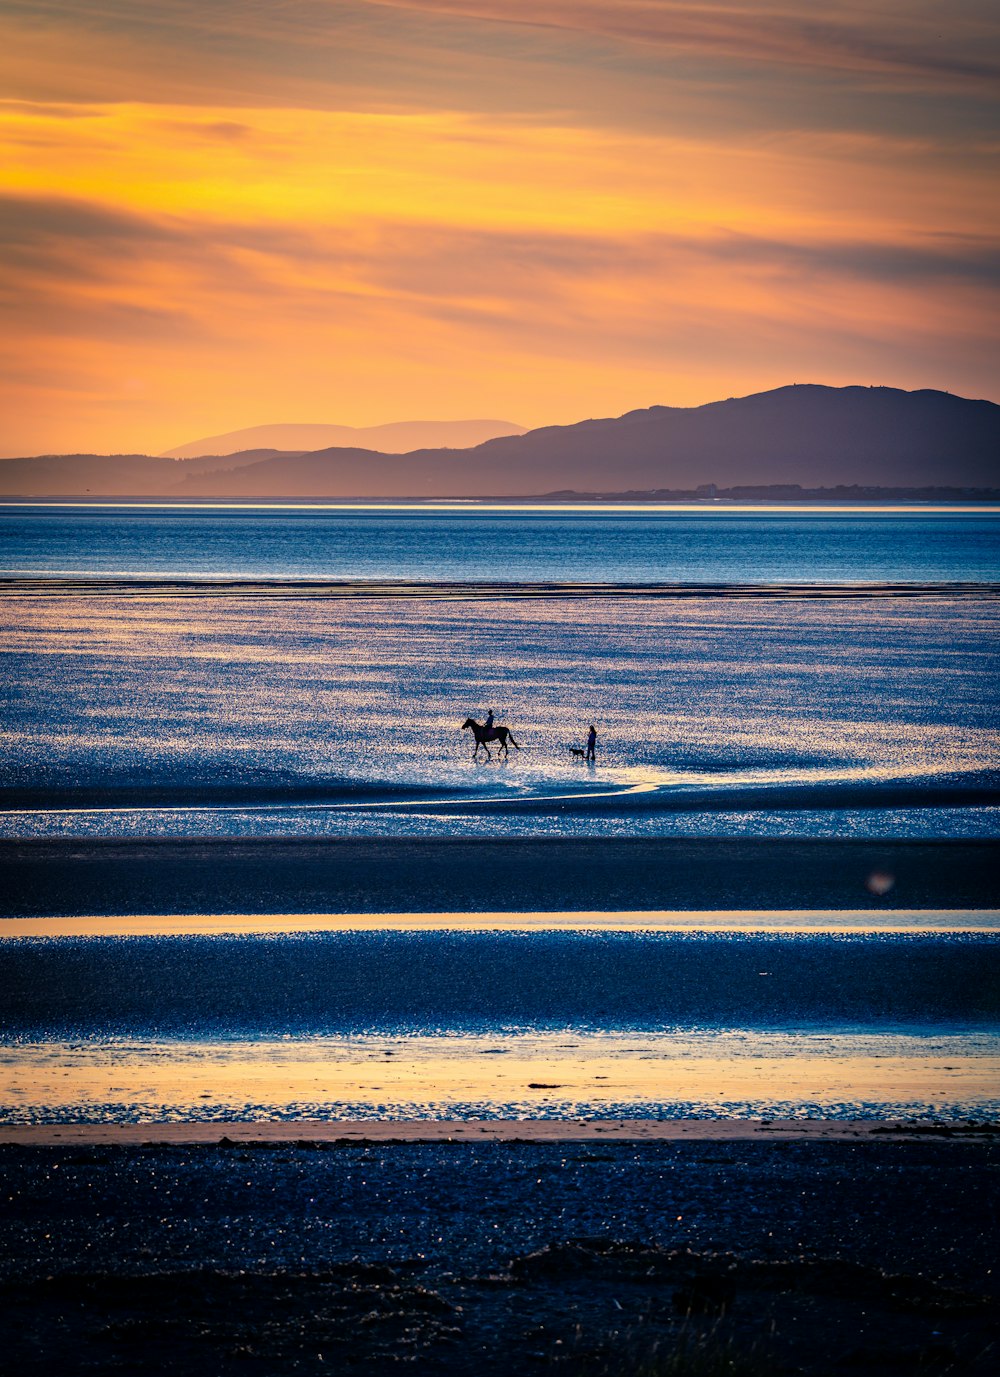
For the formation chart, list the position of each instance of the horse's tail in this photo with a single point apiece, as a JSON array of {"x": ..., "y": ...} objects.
[{"x": 510, "y": 738}]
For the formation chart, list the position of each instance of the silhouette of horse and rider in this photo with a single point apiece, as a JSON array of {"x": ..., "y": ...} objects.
[{"x": 486, "y": 731}]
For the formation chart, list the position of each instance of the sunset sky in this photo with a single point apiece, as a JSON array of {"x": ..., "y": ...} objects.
[{"x": 223, "y": 213}]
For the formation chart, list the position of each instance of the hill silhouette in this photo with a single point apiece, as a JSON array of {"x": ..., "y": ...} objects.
[
  {"x": 398, "y": 437},
  {"x": 804, "y": 434}
]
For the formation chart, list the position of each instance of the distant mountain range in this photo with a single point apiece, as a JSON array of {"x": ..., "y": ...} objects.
[
  {"x": 808, "y": 435},
  {"x": 398, "y": 437}
]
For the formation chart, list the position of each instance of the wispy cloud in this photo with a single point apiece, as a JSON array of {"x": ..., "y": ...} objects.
[
  {"x": 455, "y": 51},
  {"x": 956, "y": 41},
  {"x": 927, "y": 38}
]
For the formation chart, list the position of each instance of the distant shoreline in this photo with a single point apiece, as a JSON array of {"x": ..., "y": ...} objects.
[
  {"x": 781, "y": 495},
  {"x": 281, "y": 586}
]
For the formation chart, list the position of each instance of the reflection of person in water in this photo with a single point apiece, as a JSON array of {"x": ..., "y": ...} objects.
[{"x": 591, "y": 742}]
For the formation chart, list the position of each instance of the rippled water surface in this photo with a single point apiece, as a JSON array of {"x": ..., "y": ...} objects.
[{"x": 155, "y": 715}]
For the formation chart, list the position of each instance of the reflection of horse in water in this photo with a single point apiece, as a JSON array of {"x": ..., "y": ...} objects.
[{"x": 484, "y": 734}]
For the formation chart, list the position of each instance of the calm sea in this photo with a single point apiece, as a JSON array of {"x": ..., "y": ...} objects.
[{"x": 430, "y": 543}]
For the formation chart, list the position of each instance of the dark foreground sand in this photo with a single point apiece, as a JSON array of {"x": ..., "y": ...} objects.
[
  {"x": 702, "y": 1248},
  {"x": 788, "y": 1253},
  {"x": 395, "y": 875}
]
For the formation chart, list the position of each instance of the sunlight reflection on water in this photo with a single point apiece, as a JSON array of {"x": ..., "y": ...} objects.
[
  {"x": 728, "y": 1073},
  {"x": 299, "y": 694}
]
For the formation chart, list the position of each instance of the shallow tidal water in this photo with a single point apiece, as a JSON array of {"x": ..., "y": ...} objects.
[
  {"x": 808, "y": 1015},
  {"x": 565, "y": 1075},
  {"x": 204, "y": 711},
  {"x": 157, "y": 716}
]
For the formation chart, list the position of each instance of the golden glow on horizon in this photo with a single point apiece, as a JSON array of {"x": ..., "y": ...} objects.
[
  {"x": 196, "y": 247},
  {"x": 301, "y": 167},
  {"x": 535, "y": 1069}
]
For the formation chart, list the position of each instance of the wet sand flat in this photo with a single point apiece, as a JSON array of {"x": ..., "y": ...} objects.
[
  {"x": 68, "y": 877},
  {"x": 589, "y": 1078}
]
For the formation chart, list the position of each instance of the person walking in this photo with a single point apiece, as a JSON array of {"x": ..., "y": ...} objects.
[{"x": 592, "y": 744}]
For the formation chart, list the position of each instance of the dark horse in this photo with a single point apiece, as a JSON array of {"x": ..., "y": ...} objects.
[{"x": 484, "y": 734}]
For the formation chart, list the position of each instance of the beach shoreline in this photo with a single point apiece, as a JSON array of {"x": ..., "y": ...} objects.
[{"x": 385, "y": 1132}]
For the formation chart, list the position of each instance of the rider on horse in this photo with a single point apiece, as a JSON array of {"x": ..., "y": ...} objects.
[{"x": 489, "y": 732}]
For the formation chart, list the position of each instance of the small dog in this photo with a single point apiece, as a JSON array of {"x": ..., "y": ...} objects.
[{"x": 576, "y": 750}]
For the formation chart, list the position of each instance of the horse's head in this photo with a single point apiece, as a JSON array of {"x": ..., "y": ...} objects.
[{"x": 467, "y": 723}]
